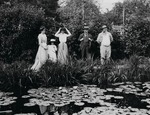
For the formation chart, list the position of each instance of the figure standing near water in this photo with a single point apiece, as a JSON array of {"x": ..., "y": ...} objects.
[
  {"x": 41, "y": 55},
  {"x": 62, "y": 47},
  {"x": 52, "y": 51},
  {"x": 104, "y": 39},
  {"x": 85, "y": 44}
]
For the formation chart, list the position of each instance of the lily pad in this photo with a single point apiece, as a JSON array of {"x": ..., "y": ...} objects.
[
  {"x": 25, "y": 96},
  {"x": 79, "y": 103},
  {"x": 29, "y": 104},
  {"x": 118, "y": 97}
]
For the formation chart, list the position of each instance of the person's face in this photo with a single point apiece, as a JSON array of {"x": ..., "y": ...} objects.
[
  {"x": 43, "y": 31},
  {"x": 62, "y": 31},
  {"x": 85, "y": 32},
  {"x": 104, "y": 29}
]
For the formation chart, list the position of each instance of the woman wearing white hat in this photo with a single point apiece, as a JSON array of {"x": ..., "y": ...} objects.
[{"x": 52, "y": 51}]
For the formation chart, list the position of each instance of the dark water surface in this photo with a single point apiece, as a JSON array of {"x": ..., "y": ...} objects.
[{"x": 121, "y": 99}]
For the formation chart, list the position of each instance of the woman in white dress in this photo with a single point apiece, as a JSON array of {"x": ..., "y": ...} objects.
[
  {"x": 62, "y": 47},
  {"x": 52, "y": 51},
  {"x": 41, "y": 55}
]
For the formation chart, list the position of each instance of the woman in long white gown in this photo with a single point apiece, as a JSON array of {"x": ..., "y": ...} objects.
[
  {"x": 41, "y": 55},
  {"x": 62, "y": 47}
]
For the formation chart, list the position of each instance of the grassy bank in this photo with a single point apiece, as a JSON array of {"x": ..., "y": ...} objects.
[{"x": 18, "y": 74}]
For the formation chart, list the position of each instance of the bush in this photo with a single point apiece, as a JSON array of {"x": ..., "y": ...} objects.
[
  {"x": 11, "y": 75},
  {"x": 19, "y": 76},
  {"x": 137, "y": 37},
  {"x": 19, "y": 29}
]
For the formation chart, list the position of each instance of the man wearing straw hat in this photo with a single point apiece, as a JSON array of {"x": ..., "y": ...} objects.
[
  {"x": 104, "y": 39},
  {"x": 85, "y": 44}
]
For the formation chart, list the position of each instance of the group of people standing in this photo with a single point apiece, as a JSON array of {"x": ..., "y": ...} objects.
[
  {"x": 48, "y": 52},
  {"x": 104, "y": 39}
]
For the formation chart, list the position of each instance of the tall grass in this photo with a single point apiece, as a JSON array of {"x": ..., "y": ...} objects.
[
  {"x": 15, "y": 75},
  {"x": 136, "y": 68},
  {"x": 18, "y": 74},
  {"x": 55, "y": 74}
]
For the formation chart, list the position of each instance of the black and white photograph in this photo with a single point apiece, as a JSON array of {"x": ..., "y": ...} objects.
[{"x": 74, "y": 57}]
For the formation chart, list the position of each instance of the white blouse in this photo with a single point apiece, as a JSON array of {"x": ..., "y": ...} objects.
[
  {"x": 42, "y": 40},
  {"x": 62, "y": 37}
]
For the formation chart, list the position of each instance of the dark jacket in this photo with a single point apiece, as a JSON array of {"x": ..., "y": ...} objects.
[{"x": 85, "y": 42}]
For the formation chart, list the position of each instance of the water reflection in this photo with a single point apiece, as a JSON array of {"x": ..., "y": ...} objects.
[{"x": 120, "y": 98}]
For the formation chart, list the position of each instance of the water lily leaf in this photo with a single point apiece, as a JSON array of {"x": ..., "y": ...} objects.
[
  {"x": 25, "y": 96},
  {"x": 26, "y": 114},
  {"x": 29, "y": 104},
  {"x": 9, "y": 93},
  {"x": 59, "y": 104},
  {"x": 1, "y": 94},
  {"x": 118, "y": 97},
  {"x": 5, "y": 104},
  {"x": 79, "y": 103},
  {"x": 6, "y": 112}
]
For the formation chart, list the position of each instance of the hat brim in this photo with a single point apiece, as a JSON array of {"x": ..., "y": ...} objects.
[
  {"x": 86, "y": 29},
  {"x": 104, "y": 27},
  {"x": 52, "y": 40}
]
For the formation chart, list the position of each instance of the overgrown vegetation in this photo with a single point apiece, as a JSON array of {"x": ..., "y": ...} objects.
[
  {"x": 20, "y": 22},
  {"x": 51, "y": 74}
]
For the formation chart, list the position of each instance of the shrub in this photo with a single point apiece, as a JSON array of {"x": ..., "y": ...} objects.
[
  {"x": 55, "y": 74},
  {"x": 18, "y": 76},
  {"x": 137, "y": 37},
  {"x": 19, "y": 29}
]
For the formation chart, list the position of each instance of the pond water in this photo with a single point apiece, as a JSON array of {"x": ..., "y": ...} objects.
[{"x": 119, "y": 99}]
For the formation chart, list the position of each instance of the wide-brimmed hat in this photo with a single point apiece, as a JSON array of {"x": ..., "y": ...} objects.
[
  {"x": 42, "y": 28},
  {"x": 52, "y": 40},
  {"x": 104, "y": 26},
  {"x": 86, "y": 27}
]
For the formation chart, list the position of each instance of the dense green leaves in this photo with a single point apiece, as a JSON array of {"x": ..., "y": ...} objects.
[
  {"x": 20, "y": 23},
  {"x": 137, "y": 25},
  {"x": 77, "y": 12}
]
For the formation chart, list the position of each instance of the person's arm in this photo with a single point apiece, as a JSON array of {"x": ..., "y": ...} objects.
[
  {"x": 57, "y": 33},
  {"x": 39, "y": 39},
  {"x": 46, "y": 44},
  {"x": 111, "y": 38},
  {"x": 99, "y": 38},
  {"x": 46, "y": 40},
  {"x": 90, "y": 37},
  {"x": 55, "y": 48},
  {"x": 80, "y": 37},
  {"x": 68, "y": 32}
]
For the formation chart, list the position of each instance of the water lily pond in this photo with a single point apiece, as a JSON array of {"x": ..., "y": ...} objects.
[{"x": 120, "y": 99}]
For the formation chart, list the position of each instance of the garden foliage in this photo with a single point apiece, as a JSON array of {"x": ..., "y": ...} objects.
[
  {"x": 19, "y": 75},
  {"x": 136, "y": 38},
  {"x": 20, "y": 23}
]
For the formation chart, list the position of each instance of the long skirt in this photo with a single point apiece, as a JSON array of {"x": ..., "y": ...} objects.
[
  {"x": 63, "y": 53},
  {"x": 40, "y": 59},
  {"x": 52, "y": 56}
]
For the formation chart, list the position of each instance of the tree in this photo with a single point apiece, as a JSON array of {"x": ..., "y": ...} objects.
[
  {"x": 74, "y": 14},
  {"x": 20, "y": 22},
  {"x": 137, "y": 29},
  {"x": 78, "y": 12}
]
